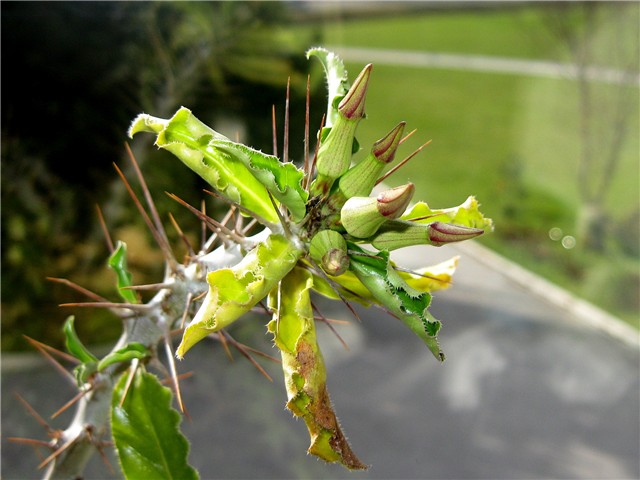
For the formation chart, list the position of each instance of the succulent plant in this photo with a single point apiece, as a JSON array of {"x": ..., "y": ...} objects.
[
  {"x": 310, "y": 229},
  {"x": 310, "y": 241}
]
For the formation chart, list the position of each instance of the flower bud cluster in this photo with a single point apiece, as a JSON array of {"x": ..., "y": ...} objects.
[
  {"x": 375, "y": 219},
  {"x": 343, "y": 192}
]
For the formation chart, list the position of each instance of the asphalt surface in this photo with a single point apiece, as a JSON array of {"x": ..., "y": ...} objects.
[{"x": 529, "y": 390}]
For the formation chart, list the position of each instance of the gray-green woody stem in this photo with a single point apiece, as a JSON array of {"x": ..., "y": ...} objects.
[{"x": 92, "y": 410}]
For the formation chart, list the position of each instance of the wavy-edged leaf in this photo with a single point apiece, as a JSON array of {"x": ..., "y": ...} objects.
[
  {"x": 467, "y": 215},
  {"x": 234, "y": 291},
  {"x": 146, "y": 432},
  {"x": 305, "y": 375},
  {"x": 390, "y": 290},
  {"x": 337, "y": 80},
  {"x": 282, "y": 180},
  {"x": 244, "y": 175},
  {"x": 118, "y": 263}
]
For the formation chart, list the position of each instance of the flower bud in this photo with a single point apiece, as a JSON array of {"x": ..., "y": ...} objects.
[
  {"x": 400, "y": 233},
  {"x": 329, "y": 249},
  {"x": 362, "y": 216},
  {"x": 360, "y": 180},
  {"x": 352, "y": 105},
  {"x": 392, "y": 203},
  {"x": 334, "y": 155},
  {"x": 441, "y": 233}
]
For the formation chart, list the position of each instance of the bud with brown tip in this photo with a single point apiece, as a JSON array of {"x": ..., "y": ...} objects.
[
  {"x": 362, "y": 216},
  {"x": 400, "y": 233}
]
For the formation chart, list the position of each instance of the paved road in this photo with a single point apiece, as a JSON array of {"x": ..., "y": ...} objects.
[{"x": 529, "y": 390}]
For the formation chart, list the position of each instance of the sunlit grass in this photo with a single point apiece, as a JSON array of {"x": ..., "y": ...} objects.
[{"x": 508, "y": 32}]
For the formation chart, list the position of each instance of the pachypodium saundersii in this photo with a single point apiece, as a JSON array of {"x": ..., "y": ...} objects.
[
  {"x": 322, "y": 230},
  {"x": 311, "y": 241}
]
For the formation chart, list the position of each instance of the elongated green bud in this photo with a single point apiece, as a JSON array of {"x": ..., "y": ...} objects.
[
  {"x": 305, "y": 375},
  {"x": 329, "y": 249},
  {"x": 400, "y": 233},
  {"x": 360, "y": 180},
  {"x": 362, "y": 216},
  {"x": 334, "y": 155}
]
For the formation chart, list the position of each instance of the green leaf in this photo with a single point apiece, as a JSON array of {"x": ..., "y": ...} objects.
[
  {"x": 145, "y": 431},
  {"x": 88, "y": 367},
  {"x": 390, "y": 290},
  {"x": 244, "y": 175},
  {"x": 337, "y": 81},
  {"x": 125, "y": 354},
  {"x": 467, "y": 215},
  {"x": 118, "y": 262},
  {"x": 234, "y": 291},
  {"x": 73, "y": 343},
  {"x": 305, "y": 375}
]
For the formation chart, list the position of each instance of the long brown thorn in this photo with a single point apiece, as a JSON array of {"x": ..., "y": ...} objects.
[
  {"x": 418, "y": 274},
  {"x": 77, "y": 397},
  {"x": 285, "y": 146},
  {"x": 174, "y": 373},
  {"x": 78, "y": 288},
  {"x": 241, "y": 348},
  {"x": 274, "y": 131},
  {"x": 331, "y": 327},
  {"x": 152, "y": 207},
  {"x": 305, "y": 167},
  {"x": 42, "y": 348},
  {"x": 402, "y": 163},
  {"x": 315, "y": 154},
  {"x": 160, "y": 240},
  {"x": 55, "y": 454},
  {"x": 33, "y": 413},
  {"x": 105, "y": 230},
  {"x": 129, "y": 306},
  {"x": 407, "y": 136},
  {"x": 190, "y": 251},
  {"x": 228, "y": 201},
  {"x": 214, "y": 225}
]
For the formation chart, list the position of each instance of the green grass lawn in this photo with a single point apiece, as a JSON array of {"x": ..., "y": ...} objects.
[
  {"x": 507, "y": 32},
  {"x": 511, "y": 140}
]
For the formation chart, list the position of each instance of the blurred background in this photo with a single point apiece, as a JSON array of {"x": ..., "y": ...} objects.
[
  {"x": 550, "y": 151},
  {"x": 532, "y": 107}
]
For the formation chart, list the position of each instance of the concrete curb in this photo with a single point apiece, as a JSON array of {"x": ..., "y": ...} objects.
[
  {"x": 484, "y": 64},
  {"x": 582, "y": 311}
]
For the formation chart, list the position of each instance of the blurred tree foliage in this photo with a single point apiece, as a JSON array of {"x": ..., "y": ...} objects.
[
  {"x": 600, "y": 34},
  {"x": 74, "y": 75}
]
